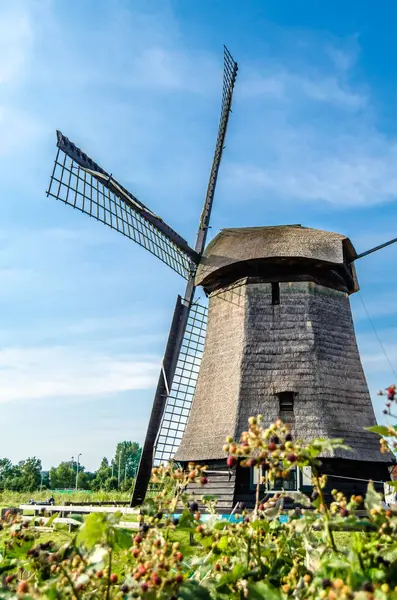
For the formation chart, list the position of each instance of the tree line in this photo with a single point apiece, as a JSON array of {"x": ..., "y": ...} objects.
[{"x": 116, "y": 474}]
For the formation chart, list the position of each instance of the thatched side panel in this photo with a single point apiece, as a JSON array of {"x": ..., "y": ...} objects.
[
  {"x": 215, "y": 407},
  {"x": 306, "y": 345}
]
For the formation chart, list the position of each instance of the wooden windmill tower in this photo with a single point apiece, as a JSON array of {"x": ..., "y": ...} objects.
[{"x": 280, "y": 338}]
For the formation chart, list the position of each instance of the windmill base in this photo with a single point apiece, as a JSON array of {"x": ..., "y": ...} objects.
[{"x": 238, "y": 486}]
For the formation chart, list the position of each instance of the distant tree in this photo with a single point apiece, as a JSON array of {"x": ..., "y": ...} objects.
[
  {"x": 111, "y": 484},
  {"x": 6, "y": 471},
  {"x": 31, "y": 473},
  {"x": 23, "y": 477},
  {"x": 126, "y": 460},
  {"x": 102, "y": 475},
  {"x": 63, "y": 476}
]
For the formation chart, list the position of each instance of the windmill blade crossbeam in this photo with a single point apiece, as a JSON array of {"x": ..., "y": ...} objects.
[{"x": 79, "y": 182}]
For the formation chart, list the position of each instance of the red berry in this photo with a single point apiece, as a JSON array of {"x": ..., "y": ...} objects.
[
  {"x": 272, "y": 446},
  {"x": 251, "y": 462},
  {"x": 113, "y": 578},
  {"x": 292, "y": 458},
  {"x": 23, "y": 587},
  {"x": 179, "y": 556},
  {"x": 138, "y": 539},
  {"x": 135, "y": 552},
  {"x": 99, "y": 574},
  {"x": 179, "y": 578},
  {"x": 155, "y": 578},
  {"x": 231, "y": 461},
  {"x": 142, "y": 569},
  {"x": 203, "y": 480},
  {"x": 144, "y": 586},
  {"x": 9, "y": 579}
]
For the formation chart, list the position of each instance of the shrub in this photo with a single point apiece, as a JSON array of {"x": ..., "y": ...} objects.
[{"x": 256, "y": 557}]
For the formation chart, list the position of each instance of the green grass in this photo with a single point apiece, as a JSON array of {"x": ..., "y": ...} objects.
[{"x": 15, "y": 498}]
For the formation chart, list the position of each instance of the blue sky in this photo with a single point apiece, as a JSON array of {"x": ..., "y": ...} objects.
[{"x": 84, "y": 313}]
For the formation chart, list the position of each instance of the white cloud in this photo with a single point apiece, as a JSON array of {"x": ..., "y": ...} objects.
[
  {"x": 287, "y": 86},
  {"x": 16, "y": 38},
  {"x": 31, "y": 373},
  {"x": 309, "y": 134}
]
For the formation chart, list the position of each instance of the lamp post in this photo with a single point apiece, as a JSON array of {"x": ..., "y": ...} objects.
[{"x": 77, "y": 471}]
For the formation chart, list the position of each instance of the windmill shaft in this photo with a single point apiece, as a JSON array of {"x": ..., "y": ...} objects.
[{"x": 372, "y": 250}]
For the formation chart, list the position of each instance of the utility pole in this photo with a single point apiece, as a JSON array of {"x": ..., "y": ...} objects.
[
  {"x": 118, "y": 474},
  {"x": 77, "y": 472}
]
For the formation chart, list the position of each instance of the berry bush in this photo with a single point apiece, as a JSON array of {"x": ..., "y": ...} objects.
[{"x": 257, "y": 556}]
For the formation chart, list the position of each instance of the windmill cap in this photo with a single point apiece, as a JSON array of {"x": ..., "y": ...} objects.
[{"x": 231, "y": 248}]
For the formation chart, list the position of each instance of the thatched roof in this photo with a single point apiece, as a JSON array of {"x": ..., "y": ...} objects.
[{"x": 286, "y": 242}]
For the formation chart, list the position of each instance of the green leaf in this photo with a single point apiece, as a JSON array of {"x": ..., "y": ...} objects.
[
  {"x": 93, "y": 531},
  {"x": 372, "y": 498},
  {"x": 123, "y": 539},
  {"x": 223, "y": 543},
  {"x": 192, "y": 590},
  {"x": 221, "y": 524},
  {"x": 380, "y": 429},
  {"x": 149, "y": 508},
  {"x": 186, "y": 520},
  {"x": 301, "y": 498},
  {"x": 261, "y": 591},
  {"x": 52, "y": 519}
]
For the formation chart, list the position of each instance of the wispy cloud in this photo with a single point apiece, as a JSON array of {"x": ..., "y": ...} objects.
[
  {"x": 286, "y": 86},
  {"x": 312, "y": 136},
  {"x": 31, "y": 373}
]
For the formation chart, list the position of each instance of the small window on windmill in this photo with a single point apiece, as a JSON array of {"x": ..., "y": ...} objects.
[
  {"x": 286, "y": 406},
  {"x": 275, "y": 293}
]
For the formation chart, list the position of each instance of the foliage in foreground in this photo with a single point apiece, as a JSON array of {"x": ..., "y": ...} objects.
[{"x": 257, "y": 557}]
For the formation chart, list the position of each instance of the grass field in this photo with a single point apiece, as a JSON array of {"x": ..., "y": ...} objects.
[{"x": 16, "y": 498}]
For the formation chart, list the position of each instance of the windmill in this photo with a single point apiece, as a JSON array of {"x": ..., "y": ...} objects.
[{"x": 279, "y": 325}]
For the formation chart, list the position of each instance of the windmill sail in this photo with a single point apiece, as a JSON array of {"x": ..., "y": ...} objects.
[
  {"x": 80, "y": 182},
  {"x": 180, "y": 398}
]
